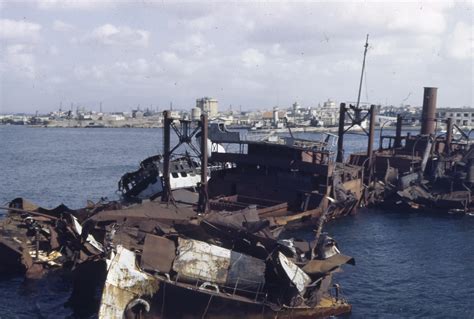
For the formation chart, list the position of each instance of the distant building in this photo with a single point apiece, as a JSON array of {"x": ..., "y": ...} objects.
[
  {"x": 460, "y": 116},
  {"x": 330, "y": 104},
  {"x": 276, "y": 117},
  {"x": 114, "y": 117},
  {"x": 328, "y": 114},
  {"x": 208, "y": 106},
  {"x": 195, "y": 114},
  {"x": 137, "y": 114}
]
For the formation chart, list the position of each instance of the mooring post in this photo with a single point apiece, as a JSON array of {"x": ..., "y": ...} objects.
[
  {"x": 449, "y": 135},
  {"x": 340, "y": 139},
  {"x": 398, "y": 132},
  {"x": 370, "y": 146},
  {"x": 166, "y": 155},
  {"x": 203, "y": 200}
]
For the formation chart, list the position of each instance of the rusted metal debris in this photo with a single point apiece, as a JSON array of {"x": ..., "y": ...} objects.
[
  {"x": 207, "y": 226},
  {"x": 426, "y": 172},
  {"x": 230, "y": 258},
  {"x": 300, "y": 174},
  {"x": 217, "y": 239},
  {"x": 34, "y": 240}
]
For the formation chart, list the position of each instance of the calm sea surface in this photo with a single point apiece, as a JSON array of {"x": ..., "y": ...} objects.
[{"x": 408, "y": 265}]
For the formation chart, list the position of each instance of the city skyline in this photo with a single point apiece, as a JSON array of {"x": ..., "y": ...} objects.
[{"x": 251, "y": 55}]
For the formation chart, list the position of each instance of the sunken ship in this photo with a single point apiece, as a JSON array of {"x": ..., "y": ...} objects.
[
  {"x": 216, "y": 243},
  {"x": 207, "y": 230},
  {"x": 431, "y": 171}
]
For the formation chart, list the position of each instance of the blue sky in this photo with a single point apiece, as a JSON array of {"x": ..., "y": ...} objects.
[{"x": 248, "y": 54}]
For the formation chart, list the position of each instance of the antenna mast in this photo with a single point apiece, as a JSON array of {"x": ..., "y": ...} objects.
[{"x": 363, "y": 68}]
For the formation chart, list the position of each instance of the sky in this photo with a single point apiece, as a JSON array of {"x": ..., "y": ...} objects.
[{"x": 248, "y": 55}]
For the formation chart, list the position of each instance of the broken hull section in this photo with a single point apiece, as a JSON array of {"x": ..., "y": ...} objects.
[
  {"x": 124, "y": 286},
  {"x": 400, "y": 183},
  {"x": 34, "y": 240},
  {"x": 208, "y": 305},
  {"x": 129, "y": 291},
  {"x": 235, "y": 264},
  {"x": 147, "y": 181},
  {"x": 14, "y": 258},
  {"x": 294, "y": 186},
  {"x": 428, "y": 172}
]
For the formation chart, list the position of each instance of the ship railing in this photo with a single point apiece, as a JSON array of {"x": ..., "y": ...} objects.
[{"x": 242, "y": 287}]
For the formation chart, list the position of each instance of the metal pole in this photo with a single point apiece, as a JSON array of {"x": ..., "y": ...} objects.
[
  {"x": 426, "y": 154},
  {"x": 398, "y": 134},
  {"x": 204, "y": 164},
  {"x": 370, "y": 146},
  {"x": 340, "y": 139},
  {"x": 363, "y": 68},
  {"x": 166, "y": 155},
  {"x": 449, "y": 135}
]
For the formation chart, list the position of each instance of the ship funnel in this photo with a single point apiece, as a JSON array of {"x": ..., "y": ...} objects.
[{"x": 428, "y": 114}]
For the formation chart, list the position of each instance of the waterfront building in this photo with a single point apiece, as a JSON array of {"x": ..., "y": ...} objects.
[
  {"x": 208, "y": 106},
  {"x": 328, "y": 114},
  {"x": 463, "y": 116}
]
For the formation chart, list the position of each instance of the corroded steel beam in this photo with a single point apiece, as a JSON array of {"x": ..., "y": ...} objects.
[
  {"x": 398, "y": 133},
  {"x": 203, "y": 194},
  {"x": 340, "y": 140},
  {"x": 428, "y": 116},
  {"x": 449, "y": 135},
  {"x": 166, "y": 154}
]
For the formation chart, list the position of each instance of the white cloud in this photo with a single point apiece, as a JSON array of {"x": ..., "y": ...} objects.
[
  {"x": 55, "y": 79},
  {"x": 62, "y": 26},
  {"x": 73, "y": 4},
  {"x": 175, "y": 65},
  {"x": 53, "y": 50},
  {"x": 461, "y": 42},
  {"x": 86, "y": 73},
  {"x": 109, "y": 34},
  {"x": 382, "y": 47},
  {"x": 19, "y": 30},
  {"x": 426, "y": 19},
  {"x": 20, "y": 61},
  {"x": 277, "y": 50},
  {"x": 226, "y": 48},
  {"x": 346, "y": 66},
  {"x": 128, "y": 73},
  {"x": 169, "y": 58},
  {"x": 138, "y": 69},
  {"x": 252, "y": 58},
  {"x": 204, "y": 23},
  {"x": 194, "y": 44}
]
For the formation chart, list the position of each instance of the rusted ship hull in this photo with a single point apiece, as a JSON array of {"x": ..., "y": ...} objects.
[
  {"x": 14, "y": 258},
  {"x": 164, "y": 274},
  {"x": 207, "y": 305},
  {"x": 291, "y": 181},
  {"x": 425, "y": 172},
  {"x": 217, "y": 244}
]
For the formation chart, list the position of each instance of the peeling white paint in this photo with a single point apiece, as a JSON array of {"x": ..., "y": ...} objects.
[
  {"x": 199, "y": 260},
  {"x": 297, "y": 276},
  {"x": 90, "y": 239},
  {"x": 124, "y": 283}
]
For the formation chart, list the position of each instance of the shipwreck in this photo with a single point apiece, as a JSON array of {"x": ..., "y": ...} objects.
[
  {"x": 431, "y": 172},
  {"x": 205, "y": 228}
]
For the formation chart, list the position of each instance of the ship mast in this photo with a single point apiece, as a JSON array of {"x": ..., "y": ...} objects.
[{"x": 363, "y": 68}]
